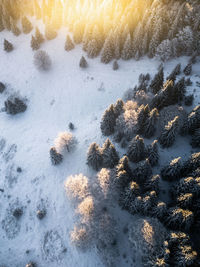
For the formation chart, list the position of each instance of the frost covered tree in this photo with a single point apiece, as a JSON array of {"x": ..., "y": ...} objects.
[
  {"x": 143, "y": 115},
  {"x": 188, "y": 69},
  {"x": 34, "y": 43},
  {"x": 127, "y": 51},
  {"x": 26, "y": 25},
  {"x": 107, "y": 50},
  {"x": 196, "y": 138},
  {"x": 128, "y": 195},
  {"x": 65, "y": 142},
  {"x": 94, "y": 157},
  {"x": 14, "y": 28},
  {"x": 152, "y": 153},
  {"x": 68, "y": 43},
  {"x": 185, "y": 201},
  {"x": 184, "y": 41},
  {"x": 109, "y": 155},
  {"x": 169, "y": 133},
  {"x": 176, "y": 71},
  {"x": 56, "y": 158},
  {"x": 157, "y": 82},
  {"x": 80, "y": 237},
  {"x": 164, "y": 51},
  {"x": 173, "y": 170},
  {"x": 14, "y": 105},
  {"x": 115, "y": 65},
  {"x": 92, "y": 48},
  {"x": 143, "y": 171},
  {"x": 31, "y": 264},
  {"x": 50, "y": 33},
  {"x": 150, "y": 123},
  {"x": 179, "y": 91},
  {"x": 160, "y": 211},
  {"x": 193, "y": 120},
  {"x": 191, "y": 164},
  {"x": 39, "y": 37},
  {"x": 8, "y": 47},
  {"x": 136, "y": 150},
  {"x": 108, "y": 121},
  {"x": 152, "y": 184},
  {"x": 42, "y": 60},
  {"x": 119, "y": 107},
  {"x": 83, "y": 63}
]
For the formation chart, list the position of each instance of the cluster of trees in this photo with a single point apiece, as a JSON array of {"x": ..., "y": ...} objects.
[
  {"x": 122, "y": 29},
  {"x": 15, "y": 104}
]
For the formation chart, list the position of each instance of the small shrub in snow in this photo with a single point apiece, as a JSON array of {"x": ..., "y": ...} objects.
[
  {"x": 188, "y": 69},
  {"x": 80, "y": 237},
  {"x": 26, "y": 25},
  {"x": 71, "y": 126},
  {"x": 56, "y": 158},
  {"x": 83, "y": 63},
  {"x": 15, "y": 105},
  {"x": 109, "y": 155},
  {"x": 94, "y": 157},
  {"x": 42, "y": 60},
  {"x": 115, "y": 65},
  {"x": 173, "y": 171},
  {"x": 35, "y": 45},
  {"x": 8, "y": 47},
  {"x": 189, "y": 100},
  {"x": 65, "y": 142},
  {"x": 169, "y": 134},
  {"x": 31, "y": 264},
  {"x": 136, "y": 150},
  {"x": 17, "y": 213},
  {"x": 2, "y": 87},
  {"x": 77, "y": 187},
  {"x": 188, "y": 82},
  {"x": 41, "y": 214},
  {"x": 68, "y": 44}
]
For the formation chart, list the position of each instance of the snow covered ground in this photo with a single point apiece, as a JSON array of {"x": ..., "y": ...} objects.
[{"x": 64, "y": 94}]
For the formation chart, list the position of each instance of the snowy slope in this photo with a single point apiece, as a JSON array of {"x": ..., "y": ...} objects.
[{"x": 63, "y": 94}]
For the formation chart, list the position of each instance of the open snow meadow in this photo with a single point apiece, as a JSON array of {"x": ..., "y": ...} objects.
[{"x": 100, "y": 133}]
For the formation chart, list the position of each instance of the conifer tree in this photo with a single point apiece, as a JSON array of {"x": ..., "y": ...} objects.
[
  {"x": 172, "y": 171},
  {"x": 92, "y": 48},
  {"x": 143, "y": 115},
  {"x": 109, "y": 154},
  {"x": 150, "y": 123},
  {"x": 136, "y": 150},
  {"x": 108, "y": 121},
  {"x": 94, "y": 157},
  {"x": 115, "y": 65},
  {"x": 152, "y": 153},
  {"x": 128, "y": 195},
  {"x": 107, "y": 50},
  {"x": 8, "y": 47},
  {"x": 143, "y": 171},
  {"x": 50, "y": 33},
  {"x": 34, "y": 43},
  {"x": 157, "y": 82},
  {"x": 83, "y": 63},
  {"x": 68, "y": 44},
  {"x": 127, "y": 51},
  {"x": 78, "y": 31},
  {"x": 1, "y": 24},
  {"x": 119, "y": 107},
  {"x": 124, "y": 165},
  {"x": 56, "y": 158},
  {"x": 188, "y": 69},
  {"x": 178, "y": 91},
  {"x": 169, "y": 133},
  {"x": 26, "y": 25},
  {"x": 176, "y": 71},
  {"x": 15, "y": 30},
  {"x": 39, "y": 37},
  {"x": 196, "y": 138}
]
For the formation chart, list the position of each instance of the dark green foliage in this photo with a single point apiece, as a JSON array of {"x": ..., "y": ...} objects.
[
  {"x": 8, "y": 47},
  {"x": 83, "y": 63},
  {"x": 152, "y": 153},
  {"x": 189, "y": 100},
  {"x": 2, "y": 87},
  {"x": 188, "y": 69},
  {"x": 35, "y": 45},
  {"x": 94, "y": 157},
  {"x": 173, "y": 171},
  {"x": 26, "y": 25},
  {"x": 143, "y": 115},
  {"x": 157, "y": 81},
  {"x": 56, "y": 158},
  {"x": 169, "y": 133},
  {"x": 68, "y": 44},
  {"x": 136, "y": 150},
  {"x": 109, "y": 155},
  {"x": 15, "y": 105},
  {"x": 142, "y": 172},
  {"x": 150, "y": 123},
  {"x": 108, "y": 121},
  {"x": 196, "y": 138}
]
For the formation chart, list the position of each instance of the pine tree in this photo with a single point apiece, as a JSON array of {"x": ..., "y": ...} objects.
[
  {"x": 128, "y": 195},
  {"x": 196, "y": 138},
  {"x": 119, "y": 107},
  {"x": 50, "y": 33},
  {"x": 124, "y": 165},
  {"x": 15, "y": 30},
  {"x": 78, "y": 31},
  {"x": 143, "y": 171},
  {"x": 107, "y": 50},
  {"x": 152, "y": 153},
  {"x": 176, "y": 71},
  {"x": 150, "y": 123},
  {"x": 136, "y": 150},
  {"x": 2, "y": 87},
  {"x": 179, "y": 91},
  {"x": 56, "y": 158},
  {"x": 34, "y": 43},
  {"x": 39, "y": 37},
  {"x": 115, "y": 65},
  {"x": 1, "y": 24},
  {"x": 68, "y": 44},
  {"x": 109, "y": 154},
  {"x": 108, "y": 121},
  {"x": 127, "y": 51},
  {"x": 143, "y": 115},
  {"x": 169, "y": 133},
  {"x": 83, "y": 63},
  {"x": 180, "y": 219},
  {"x": 188, "y": 100},
  {"x": 172, "y": 172},
  {"x": 26, "y": 25},
  {"x": 152, "y": 184},
  {"x": 94, "y": 157},
  {"x": 8, "y": 47},
  {"x": 157, "y": 82},
  {"x": 188, "y": 69},
  {"x": 92, "y": 48}
]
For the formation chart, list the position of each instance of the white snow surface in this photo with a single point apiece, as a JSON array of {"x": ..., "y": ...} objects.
[{"x": 64, "y": 94}]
